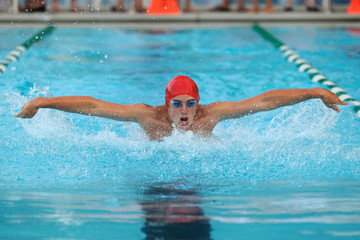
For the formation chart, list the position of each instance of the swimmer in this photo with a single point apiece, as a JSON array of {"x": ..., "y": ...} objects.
[{"x": 181, "y": 109}]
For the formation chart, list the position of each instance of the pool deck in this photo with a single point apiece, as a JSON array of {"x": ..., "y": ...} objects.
[{"x": 201, "y": 18}]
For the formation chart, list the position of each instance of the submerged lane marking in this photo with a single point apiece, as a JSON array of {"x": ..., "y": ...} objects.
[{"x": 304, "y": 66}]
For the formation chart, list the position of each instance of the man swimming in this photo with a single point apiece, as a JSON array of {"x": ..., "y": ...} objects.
[{"x": 181, "y": 109}]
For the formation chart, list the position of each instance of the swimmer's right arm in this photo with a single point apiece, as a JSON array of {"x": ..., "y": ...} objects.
[{"x": 83, "y": 105}]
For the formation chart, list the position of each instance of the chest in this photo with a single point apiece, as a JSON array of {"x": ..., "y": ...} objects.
[{"x": 159, "y": 128}]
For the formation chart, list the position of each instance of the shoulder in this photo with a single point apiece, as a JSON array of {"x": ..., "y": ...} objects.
[
  {"x": 209, "y": 111},
  {"x": 214, "y": 108},
  {"x": 225, "y": 110},
  {"x": 150, "y": 109},
  {"x": 147, "y": 111}
]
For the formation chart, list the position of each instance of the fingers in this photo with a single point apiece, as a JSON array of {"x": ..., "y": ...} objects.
[
  {"x": 21, "y": 115},
  {"x": 343, "y": 103},
  {"x": 333, "y": 106},
  {"x": 335, "y": 98},
  {"x": 339, "y": 101},
  {"x": 331, "y": 101},
  {"x": 336, "y": 108}
]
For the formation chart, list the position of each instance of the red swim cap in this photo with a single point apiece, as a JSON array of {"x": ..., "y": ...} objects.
[{"x": 181, "y": 85}]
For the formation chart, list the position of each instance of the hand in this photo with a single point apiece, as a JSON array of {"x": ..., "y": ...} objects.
[
  {"x": 29, "y": 109},
  {"x": 330, "y": 99}
]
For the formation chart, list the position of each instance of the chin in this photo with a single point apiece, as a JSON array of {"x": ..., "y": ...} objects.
[{"x": 184, "y": 127}]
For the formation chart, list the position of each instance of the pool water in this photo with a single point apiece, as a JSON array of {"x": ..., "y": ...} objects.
[{"x": 291, "y": 173}]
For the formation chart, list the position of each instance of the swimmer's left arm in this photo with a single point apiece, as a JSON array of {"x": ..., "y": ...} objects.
[{"x": 274, "y": 99}]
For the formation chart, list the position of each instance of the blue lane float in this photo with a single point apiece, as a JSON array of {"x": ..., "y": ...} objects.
[
  {"x": 304, "y": 66},
  {"x": 14, "y": 55}
]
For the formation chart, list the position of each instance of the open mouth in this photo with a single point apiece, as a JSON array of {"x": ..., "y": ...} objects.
[{"x": 184, "y": 121}]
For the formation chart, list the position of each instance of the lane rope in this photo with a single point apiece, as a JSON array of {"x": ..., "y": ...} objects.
[
  {"x": 304, "y": 66},
  {"x": 14, "y": 55}
]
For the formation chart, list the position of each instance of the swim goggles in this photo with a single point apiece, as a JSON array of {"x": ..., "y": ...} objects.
[{"x": 178, "y": 104}]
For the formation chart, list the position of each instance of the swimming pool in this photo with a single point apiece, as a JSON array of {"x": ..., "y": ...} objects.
[{"x": 292, "y": 173}]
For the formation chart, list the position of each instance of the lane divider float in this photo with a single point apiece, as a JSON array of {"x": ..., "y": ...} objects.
[
  {"x": 14, "y": 55},
  {"x": 305, "y": 66}
]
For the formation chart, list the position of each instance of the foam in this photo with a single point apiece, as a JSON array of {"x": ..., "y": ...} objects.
[{"x": 293, "y": 142}]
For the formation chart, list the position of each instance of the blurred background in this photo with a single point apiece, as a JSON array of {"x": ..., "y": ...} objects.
[{"x": 106, "y": 5}]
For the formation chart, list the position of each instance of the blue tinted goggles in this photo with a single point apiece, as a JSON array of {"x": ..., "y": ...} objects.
[{"x": 178, "y": 104}]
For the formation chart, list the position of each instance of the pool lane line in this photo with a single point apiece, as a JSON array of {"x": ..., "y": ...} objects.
[
  {"x": 14, "y": 55},
  {"x": 305, "y": 66}
]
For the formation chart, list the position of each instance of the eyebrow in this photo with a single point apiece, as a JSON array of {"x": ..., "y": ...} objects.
[{"x": 182, "y": 101}]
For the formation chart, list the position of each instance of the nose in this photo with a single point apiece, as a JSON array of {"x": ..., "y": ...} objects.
[{"x": 184, "y": 109}]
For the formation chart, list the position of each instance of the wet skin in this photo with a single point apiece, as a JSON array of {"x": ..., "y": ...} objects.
[
  {"x": 182, "y": 117},
  {"x": 159, "y": 121}
]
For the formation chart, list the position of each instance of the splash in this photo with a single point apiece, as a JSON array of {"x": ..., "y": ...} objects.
[{"x": 300, "y": 142}]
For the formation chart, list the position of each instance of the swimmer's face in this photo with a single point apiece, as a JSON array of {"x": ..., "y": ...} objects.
[{"x": 182, "y": 111}]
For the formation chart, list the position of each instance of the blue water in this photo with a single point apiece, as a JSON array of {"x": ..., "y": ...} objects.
[{"x": 292, "y": 173}]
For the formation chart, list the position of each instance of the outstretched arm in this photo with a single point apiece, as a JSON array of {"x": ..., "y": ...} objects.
[
  {"x": 274, "y": 99},
  {"x": 84, "y": 105}
]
